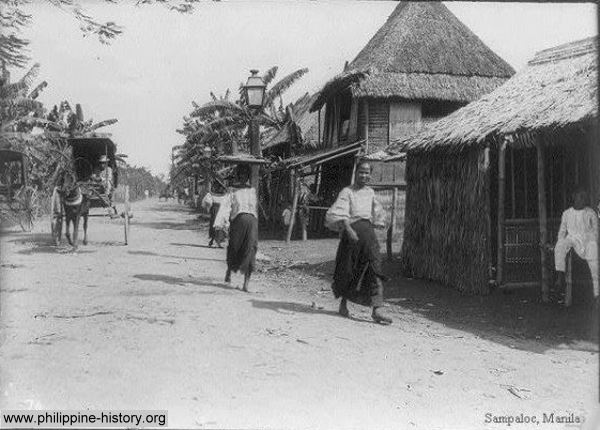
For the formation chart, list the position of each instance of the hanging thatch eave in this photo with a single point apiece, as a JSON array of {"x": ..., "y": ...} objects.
[
  {"x": 557, "y": 90},
  {"x": 422, "y": 52},
  {"x": 300, "y": 122},
  {"x": 336, "y": 85}
]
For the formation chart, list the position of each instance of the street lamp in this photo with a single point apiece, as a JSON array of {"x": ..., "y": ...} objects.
[
  {"x": 255, "y": 97},
  {"x": 255, "y": 90}
]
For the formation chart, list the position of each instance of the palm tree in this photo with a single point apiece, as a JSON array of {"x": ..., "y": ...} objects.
[{"x": 222, "y": 124}]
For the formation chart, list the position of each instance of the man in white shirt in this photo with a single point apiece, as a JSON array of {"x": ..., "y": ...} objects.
[
  {"x": 578, "y": 231},
  {"x": 103, "y": 174}
]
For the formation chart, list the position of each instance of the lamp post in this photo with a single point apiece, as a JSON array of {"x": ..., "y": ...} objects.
[
  {"x": 255, "y": 95},
  {"x": 207, "y": 153}
]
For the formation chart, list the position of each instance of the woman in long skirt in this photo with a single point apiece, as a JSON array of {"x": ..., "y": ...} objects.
[
  {"x": 212, "y": 202},
  {"x": 239, "y": 209},
  {"x": 358, "y": 276}
]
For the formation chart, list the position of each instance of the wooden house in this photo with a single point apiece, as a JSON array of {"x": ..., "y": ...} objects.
[
  {"x": 486, "y": 185},
  {"x": 300, "y": 135},
  {"x": 421, "y": 65}
]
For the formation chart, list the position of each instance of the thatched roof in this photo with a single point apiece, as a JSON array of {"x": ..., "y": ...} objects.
[
  {"x": 422, "y": 52},
  {"x": 306, "y": 123},
  {"x": 557, "y": 89}
]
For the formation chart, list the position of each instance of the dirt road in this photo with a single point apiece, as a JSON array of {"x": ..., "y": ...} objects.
[{"x": 152, "y": 326}]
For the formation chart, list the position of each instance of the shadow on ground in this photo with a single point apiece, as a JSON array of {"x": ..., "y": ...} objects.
[
  {"x": 287, "y": 307},
  {"x": 516, "y": 319},
  {"x": 194, "y": 245},
  {"x": 182, "y": 282},
  {"x": 184, "y": 257},
  {"x": 189, "y": 224}
]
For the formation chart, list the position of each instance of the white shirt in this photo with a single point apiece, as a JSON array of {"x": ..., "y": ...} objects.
[
  {"x": 579, "y": 225},
  {"x": 234, "y": 203},
  {"x": 354, "y": 204},
  {"x": 210, "y": 199}
]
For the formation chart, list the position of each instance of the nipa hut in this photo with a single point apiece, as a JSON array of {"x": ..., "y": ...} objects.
[
  {"x": 421, "y": 65},
  {"x": 300, "y": 135},
  {"x": 487, "y": 184}
]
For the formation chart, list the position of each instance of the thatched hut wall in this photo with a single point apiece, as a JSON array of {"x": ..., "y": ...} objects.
[{"x": 446, "y": 236}]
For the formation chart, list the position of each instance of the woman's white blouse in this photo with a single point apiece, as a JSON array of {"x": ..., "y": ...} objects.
[
  {"x": 234, "y": 203},
  {"x": 354, "y": 204}
]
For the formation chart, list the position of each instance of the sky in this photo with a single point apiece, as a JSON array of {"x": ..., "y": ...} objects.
[{"x": 149, "y": 76}]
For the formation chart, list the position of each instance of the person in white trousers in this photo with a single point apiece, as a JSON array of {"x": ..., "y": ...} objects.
[{"x": 578, "y": 231}]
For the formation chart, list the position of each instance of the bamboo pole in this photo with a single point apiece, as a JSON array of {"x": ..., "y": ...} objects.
[
  {"x": 512, "y": 182},
  {"x": 541, "y": 182},
  {"x": 488, "y": 210},
  {"x": 392, "y": 227},
  {"x": 569, "y": 280},
  {"x": 366, "y": 126},
  {"x": 353, "y": 170},
  {"x": 501, "y": 214},
  {"x": 319, "y": 128},
  {"x": 294, "y": 208}
]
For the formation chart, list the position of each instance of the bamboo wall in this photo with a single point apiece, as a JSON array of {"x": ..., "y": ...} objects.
[
  {"x": 446, "y": 235},
  {"x": 378, "y": 124}
]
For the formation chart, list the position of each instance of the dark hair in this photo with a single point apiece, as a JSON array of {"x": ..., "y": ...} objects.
[
  {"x": 581, "y": 191},
  {"x": 363, "y": 161},
  {"x": 243, "y": 173}
]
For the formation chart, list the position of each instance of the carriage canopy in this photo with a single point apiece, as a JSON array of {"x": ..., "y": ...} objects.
[{"x": 87, "y": 152}]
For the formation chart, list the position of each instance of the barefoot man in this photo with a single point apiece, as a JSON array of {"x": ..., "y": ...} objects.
[
  {"x": 578, "y": 231},
  {"x": 357, "y": 276}
]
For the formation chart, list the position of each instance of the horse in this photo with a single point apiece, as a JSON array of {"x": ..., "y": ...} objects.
[{"x": 69, "y": 199}]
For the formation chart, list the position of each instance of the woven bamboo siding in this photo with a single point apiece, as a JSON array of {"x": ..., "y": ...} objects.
[
  {"x": 405, "y": 118},
  {"x": 385, "y": 198},
  {"x": 387, "y": 173},
  {"x": 362, "y": 117},
  {"x": 378, "y": 124},
  {"x": 445, "y": 235}
]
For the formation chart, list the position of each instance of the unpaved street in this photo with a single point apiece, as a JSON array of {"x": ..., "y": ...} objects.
[{"x": 152, "y": 326}]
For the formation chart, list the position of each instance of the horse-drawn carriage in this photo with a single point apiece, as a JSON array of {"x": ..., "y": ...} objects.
[
  {"x": 19, "y": 202},
  {"x": 91, "y": 183}
]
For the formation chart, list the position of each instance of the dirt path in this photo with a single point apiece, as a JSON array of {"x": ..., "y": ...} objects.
[{"x": 151, "y": 326}]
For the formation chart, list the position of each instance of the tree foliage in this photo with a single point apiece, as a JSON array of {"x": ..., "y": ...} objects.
[
  {"x": 139, "y": 180},
  {"x": 14, "y": 19},
  {"x": 221, "y": 125}
]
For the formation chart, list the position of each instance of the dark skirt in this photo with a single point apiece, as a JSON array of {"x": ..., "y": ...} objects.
[
  {"x": 213, "y": 233},
  {"x": 357, "y": 267},
  {"x": 243, "y": 243}
]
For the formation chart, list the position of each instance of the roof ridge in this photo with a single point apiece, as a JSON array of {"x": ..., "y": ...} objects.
[{"x": 566, "y": 50}]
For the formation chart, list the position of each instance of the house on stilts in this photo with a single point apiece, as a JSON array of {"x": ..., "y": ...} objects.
[
  {"x": 421, "y": 65},
  {"x": 487, "y": 184},
  {"x": 300, "y": 135}
]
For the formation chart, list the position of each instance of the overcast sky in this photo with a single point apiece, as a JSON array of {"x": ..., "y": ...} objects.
[{"x": 148, "y": 77}]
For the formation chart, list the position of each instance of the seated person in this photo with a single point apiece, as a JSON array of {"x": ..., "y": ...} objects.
[
  {"x": 578, "y": 231},
  {"x": 103, "y": 174}
]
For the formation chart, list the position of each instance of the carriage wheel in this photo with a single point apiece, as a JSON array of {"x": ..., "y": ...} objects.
[
  {"x": 29, "y": 208},
  {"x": 57, "y": 217},
  {"x": 126, "y": 226},
  {"x": 56, "y": 228},
  {"x": 126, "y": 215}
]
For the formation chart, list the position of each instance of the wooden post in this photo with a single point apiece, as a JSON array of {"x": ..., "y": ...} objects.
[
  {"x": 501, "y": 214},
  {"x": 569, "y": 280},
  {"x": 304, "y": 232},
  {"x": 353, "y": 170},
  {"x": 254, "y": 133},
  {"x": 294, "y": 207},
  {"x": 512, "y": 182},
  {"x": 366, "y": 125},
  {"x": 541, "y": 183},
  {"x": 319, "y": 128},
  {"x": 392, "y": 227}
]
